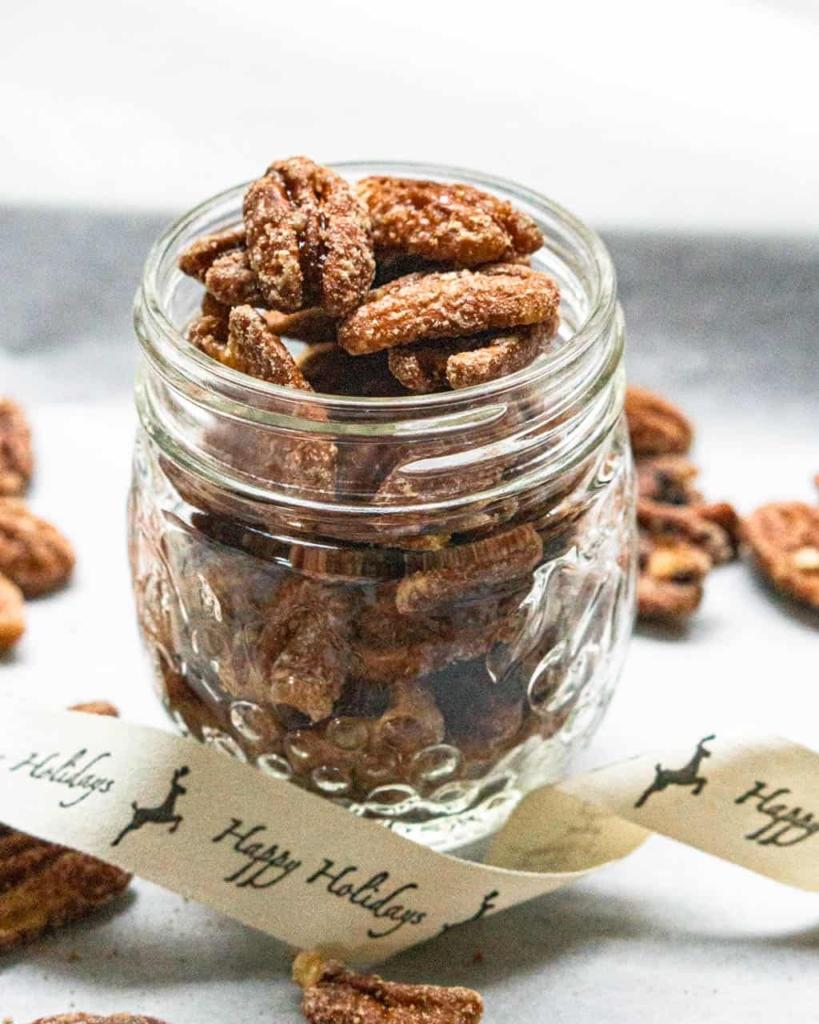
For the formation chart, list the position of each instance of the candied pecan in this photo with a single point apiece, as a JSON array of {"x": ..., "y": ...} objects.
[
  {"x": 44, "y": 886},
  {"x": 12, "y": 614},
  {"x": 669, "y": 585},
  {"x": 424, "y": 306},
  {"x": 446, "y": 222},
  {"x": 254, "y": 349},
  {"x": 331, "y": 371},
  {"x": 668, "y": 479},
  {"x": 686, "y": 523},
  {"x": 461, "y": 570},
  {"x": 412, "y": 721},
  {"x": 209, "y": 335},
  {"x": 33, "y": 553},
  {"x": 220, "y": 262},
  {"x": 784, "y": 538},
  {"x": 308, "y": 238},
  {"x": 335, "y": 995},
  {"x": 305, "y": 648},
  {"x": 313, "y": 326},
  {"x": 504, "y": 354},
  {"x": 91, "y": 1018},
  {"x": 656, "y": 427},
  {"x": 16, "y": 459}
]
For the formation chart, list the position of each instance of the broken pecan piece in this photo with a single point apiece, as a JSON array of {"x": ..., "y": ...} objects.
[
  {"x": 33, "y": 553},
  {"x": 689, "y": 524},
  {"x": 461, "y": 570},
  {"x": 44, "y": 886},
  {"x": 420, "y": 307},
  {"x": 445, "y": 222},
  {"x": 16, "y": 459},
  {"x": 335, "y": 995},
  {"x": 656, "y": 427},
  {"x": 12, "y": 614},
  {"x": 784, "y": 538},
  {"x": 308, "y": 238}
]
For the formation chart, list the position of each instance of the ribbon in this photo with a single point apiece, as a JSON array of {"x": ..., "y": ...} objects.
[{"x": 291, "y": 864}]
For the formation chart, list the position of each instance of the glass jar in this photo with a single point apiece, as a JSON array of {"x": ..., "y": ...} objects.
[{"x": 414, "y": 606}]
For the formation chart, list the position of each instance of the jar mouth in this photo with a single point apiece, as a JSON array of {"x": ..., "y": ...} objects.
[{"x": 185, "y": 366}]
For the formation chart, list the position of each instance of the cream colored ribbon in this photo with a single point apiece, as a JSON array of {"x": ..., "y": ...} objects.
[{"x": 297, "y": 867}]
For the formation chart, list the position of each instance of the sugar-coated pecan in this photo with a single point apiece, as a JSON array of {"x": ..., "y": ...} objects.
[
  {"x": 209, "y": 335},
  {"x": 656, "y": 427},
  {"x": 254, "y": 349},
  {"x": 44, "y": 886},
  {"x": 335, "y": 995},
  {"x": 784, "y": 538},
  {"x": 686, "y": 523},
  {"x": 308, "y": 238},
  {"x": 16, "y": 459},
  {"x": 305, "y": 648},
  {"x": 412, "y": 721},
  {"x": 669, "y": 585},
  {"x": 425, "y": 306},
  {"x": 12, "y": 614},
  {"x": 461, "y": 570},
  {"x": 220, "y": 262},
  {"x": 33, "y": 553},
  {"x": 92, "y": 1018},
  {"x": 668, "y": 479},
  {"x": 446, "y": 222},
  {"x": 331, "y": 371}
]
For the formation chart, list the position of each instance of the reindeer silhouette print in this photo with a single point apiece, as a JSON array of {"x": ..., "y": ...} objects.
[
  {"x": 685, "y": 776},
  {"x": 164, "y": 813}
]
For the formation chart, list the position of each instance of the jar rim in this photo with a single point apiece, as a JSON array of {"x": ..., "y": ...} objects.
[{"x": 163, "y": 339}]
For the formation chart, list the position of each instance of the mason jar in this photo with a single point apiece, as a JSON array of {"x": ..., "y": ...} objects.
[{"x": 414, "y": 606}]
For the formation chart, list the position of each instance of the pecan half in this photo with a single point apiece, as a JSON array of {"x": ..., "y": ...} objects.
[
  {"x": 254, "y": 349},
  {"x": 424, "y": 306},
  {"x": 335, "y": 995},
  {"x": 308, "y": 238},
  {"x": 45, "y": 886},
  {"x": 461, "y": 570},
  {"x": 784, "y": 538},
  {"x": 668, "y": 479},
  {"x": 446, "y": 222},
  {"x": 305, "y": 648},
  {"x": 220, "y": 262},
  {"x": 656, "y": 427},
  {"x": 12, "y": 614},
  {"x": 33, "y": 553},
  {"x": 689, "y": 524},
  {"x": 16, "y": 459},
  {"x": 669, "y": 586}
]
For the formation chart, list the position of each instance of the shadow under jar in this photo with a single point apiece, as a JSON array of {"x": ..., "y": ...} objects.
[{"x": 423, "y": 628}]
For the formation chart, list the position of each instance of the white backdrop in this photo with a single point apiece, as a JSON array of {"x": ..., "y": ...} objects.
[{"x": 695, "y": 114}]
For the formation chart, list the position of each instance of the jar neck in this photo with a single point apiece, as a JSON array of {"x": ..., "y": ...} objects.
[{"x": 417, "y": 455}]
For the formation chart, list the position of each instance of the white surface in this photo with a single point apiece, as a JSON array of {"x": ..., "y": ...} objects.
[
  {"x": 696, "y": 115},
  {"x": 668, "y": 928}
]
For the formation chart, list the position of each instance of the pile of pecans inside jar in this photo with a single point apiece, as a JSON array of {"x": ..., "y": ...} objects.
[
  {"x": 455, "y": 304},
  {"x": 383, "y": 636}
]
